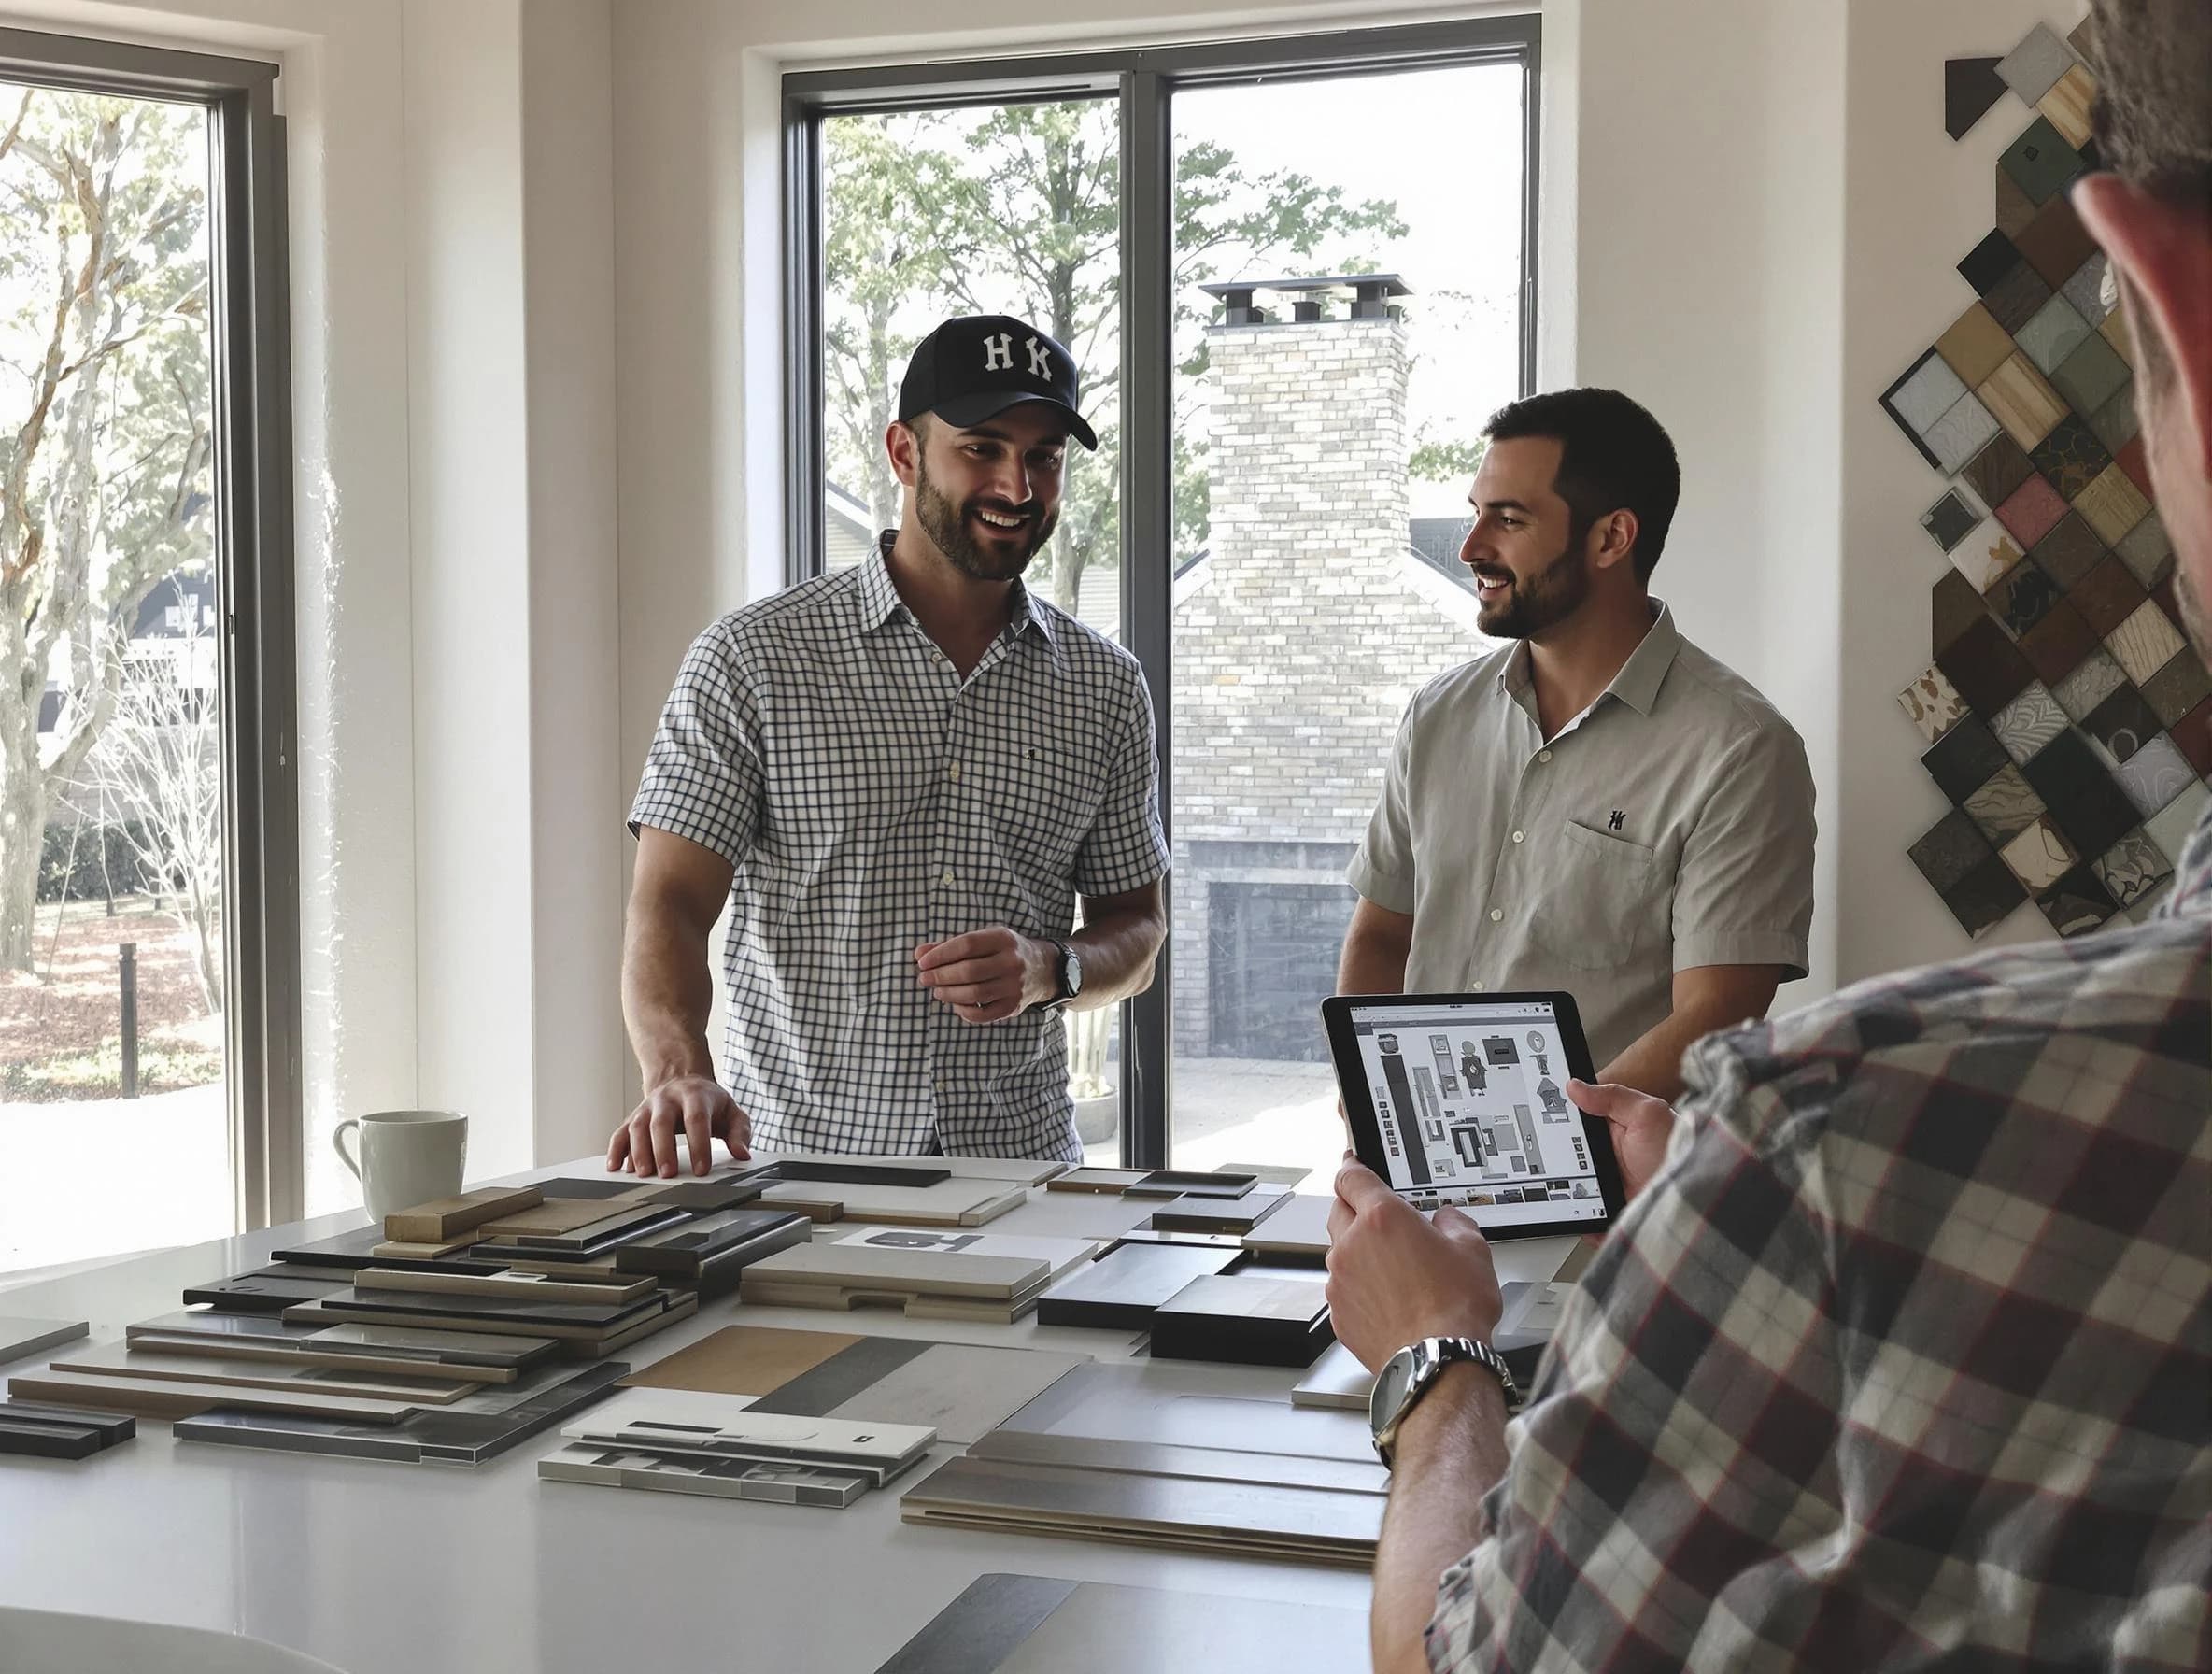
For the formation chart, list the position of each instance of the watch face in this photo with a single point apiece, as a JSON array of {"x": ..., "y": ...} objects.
[
  {"x": 1390, "y": 1389},
  {"x": 1072, "y": 973}
]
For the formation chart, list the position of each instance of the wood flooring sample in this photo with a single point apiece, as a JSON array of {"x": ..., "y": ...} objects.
[{"x": 448, "y": 1217}]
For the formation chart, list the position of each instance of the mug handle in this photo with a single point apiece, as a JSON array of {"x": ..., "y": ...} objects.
[{"x": 338, "y": 1144}]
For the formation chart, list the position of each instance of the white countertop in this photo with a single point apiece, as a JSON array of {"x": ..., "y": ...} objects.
[{"x": 382, "y": 1567}]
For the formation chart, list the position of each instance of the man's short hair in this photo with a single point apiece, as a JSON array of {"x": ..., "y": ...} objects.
[
  {"x": 2153, "y": 64},
  {"x": 1614, "y": 456}
]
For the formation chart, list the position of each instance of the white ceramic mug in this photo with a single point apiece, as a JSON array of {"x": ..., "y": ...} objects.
[{"x": 407, "y": 1157}]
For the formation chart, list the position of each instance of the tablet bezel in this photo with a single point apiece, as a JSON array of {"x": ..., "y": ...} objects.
[{"x": 1366, "y": 1128}]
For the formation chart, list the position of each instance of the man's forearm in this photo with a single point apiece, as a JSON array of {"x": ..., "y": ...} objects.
[
  {"x": 1450, "y": 1452},
  {"x": 1372, "y": 964},
  {"x": 1653, "y": 1063},
  {"x": 667, "y": 993},
  {"x": 1118, "y": 951}
]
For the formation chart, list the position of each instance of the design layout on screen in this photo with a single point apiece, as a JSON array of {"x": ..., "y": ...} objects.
[{"x": 1472, "y": 1105}]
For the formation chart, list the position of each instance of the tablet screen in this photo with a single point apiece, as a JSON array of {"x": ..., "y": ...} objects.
[{"x": 1470, "y": 1101}]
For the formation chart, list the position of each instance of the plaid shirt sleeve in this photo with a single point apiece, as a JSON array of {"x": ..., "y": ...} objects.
[
  {"x": 1902, "y": 1359},
  {"x": 1125, "y": 848},
  {"x": 703, "y": 778}
]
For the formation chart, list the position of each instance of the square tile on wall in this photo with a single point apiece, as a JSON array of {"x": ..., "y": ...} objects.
[
  {"x": 2171, "y": 827},
  {"x": 2084, "y": 802},
  {"x": 1926, "y": 391},
  {"x": 1949, "y": 520},
  {"x": 2090, "y": 375},
  {"x": 2134, "y": 458},
  {"x": 2178, "y": 687},
  {"x": 1954, "y": 608},
  {"x": 2097, "y": 678},
  {"x": 2015, "y": 210},
  {"x": 1997, "y": 470},
  {"x": 2085, "y": 289},
  {"x": 2192, "y": 736},
  {"x": 1970, "y": 87},
  {"x": 2147, "y": 550},
  {"x": 2066, "y": 106},
  {"x": 2144, "y": 643},
  {"x": 2108, "y": 595},
  {"x": 2132, "y": 867},
  {"x": 2121, "y": 724},
  {"x": 1986, "y": 555},
  {"x": 1984, "y": 897},
  {"x": 1975, "y": 346},
  {"x": 2117, "y": 423},
  {"x": 2111, "y": 504},
  {"x": 1989, "y": 261},
  {"x": 2017, "y": 298},
  {"x": 2052, "y": 334},
  {"x": 2022, "y": 401},
  {"x": 2115, "y": 332},
  {"x": 2029, "y": 722},
  {"x": 2042, "y": 162},
  {"x": 2039, "y": 857},
  {"x": 2033, "y": 512},
  {"x": 2033, "y": 68},
  {"x": 2056, "y": 645},
  {"x": 2070, "y": 552},
  {"x": 1964, "y": 759},
  {"x": 1932, "y": 704},
  {"x": 2155, "y": 775},
  {"x": 2055, "y": 244},
  {"x": 2071, "y": 459},
  {"x": 2023, "y": 597},
  {"x": 1986, "y": 666},
  {"x": 2004, "y": 807},
  {"x": 2077, "y": 903},
  {"x": 1959, "y": 434},
  {"x": 1952, "y": 848}
]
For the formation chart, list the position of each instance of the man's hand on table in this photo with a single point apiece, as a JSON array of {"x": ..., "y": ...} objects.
[
  {"x": 1397, "y": 1276},
  {"x": 698, "y": 1105},
  {"x": 989, "y": 975}
]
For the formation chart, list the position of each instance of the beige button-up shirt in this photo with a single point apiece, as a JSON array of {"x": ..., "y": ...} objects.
[{"x": 1668, "y": 825}]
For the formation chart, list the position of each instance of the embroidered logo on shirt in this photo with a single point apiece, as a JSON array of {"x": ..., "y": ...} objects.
[{"x": 1614, "y": 824}]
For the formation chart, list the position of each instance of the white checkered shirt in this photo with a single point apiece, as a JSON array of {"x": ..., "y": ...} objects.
[{"x": 871, "y": 801}]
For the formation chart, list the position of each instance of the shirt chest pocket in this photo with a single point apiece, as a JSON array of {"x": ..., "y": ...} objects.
[
  {"x": 1605, "y": 900},
  {"x": 1047, "y": 798}
]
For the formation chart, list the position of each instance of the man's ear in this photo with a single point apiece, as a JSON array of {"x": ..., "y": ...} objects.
[
  {"x": 905, "y": 449},
  {"x": 2163, "y": 253},
  {"x": 1612, "y": 539}
]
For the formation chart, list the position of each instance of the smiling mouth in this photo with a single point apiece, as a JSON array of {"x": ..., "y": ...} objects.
[
  {"x": 1487, "y": 589},
  {"x": 1002, "y": 522}
]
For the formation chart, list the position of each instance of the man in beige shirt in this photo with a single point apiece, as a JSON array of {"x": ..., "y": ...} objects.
[{"x": 1597, "y": 806}]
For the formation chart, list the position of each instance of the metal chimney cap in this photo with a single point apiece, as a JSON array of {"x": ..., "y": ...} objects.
[{"x": 1367, "y": 287}]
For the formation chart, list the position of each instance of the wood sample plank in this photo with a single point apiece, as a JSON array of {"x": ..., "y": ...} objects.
[
  {"x": 139, "y": 1358},
  {"x": 524, "y": 1288},
  {"x": 435, "y": 1223},
  {"x": 276, "y": 1353},
  {"x": 333, "y": 1334},
  {"x": 148, "y": 1399},
  {"x": 742, "y": 1360},
  {"x": 1110, "y": 1182},
  {"x": 559, "y": 1217},
  {"x": 401, "y": 1250}
]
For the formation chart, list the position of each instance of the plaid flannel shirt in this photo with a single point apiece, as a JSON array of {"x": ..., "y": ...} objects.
[
  {"x": 1904, "y": 1359},
  {"x": 869, "y": 799}
]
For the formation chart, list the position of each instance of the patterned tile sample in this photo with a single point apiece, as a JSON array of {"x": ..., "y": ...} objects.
[
  {"x": 2170, "y": 825},
  {"x": 2054, "y": 333},
  {"x": 2146, "y": 550},
  {"x": 2022, "y": 596},
  {"x": 2083, "y": 800},
  {"x": 2056, "y": 645},
  {"x": 1984, "y": 557},
  {"x": 2033, "y": 67},
  {"x": 2112, "y": 505},
  {"x": 1927, "y": 392},
  {"x": 1953, "y": 607},
  {"x": 1986, "y": 667},
  {"x": 2090, "y": 375},
  {"x": 2005, "y": 807},
  {"x": 2085, "y": 290},
  {"x": 2132, "y": 867},
  {"x": 1985, "y": 896},
  {"x": 2029, "y": 722},
  {"x": 2192, "y": 735},
  {"x": 2070, "y": 552},
  {"x": 2121, "y": 724},
  {"x": 2066, "y": 106},
  {"x": 1949, "y": 520},
  {"x": 1987, "y": 262},
  {"x": 2015, "y": 298},
  {"x": 1963, "y": 759},
  {"x": 2178, "y": 688},
  {"x": 2117, "y": 423},
  {"x": 1970, "y": 87},
  {"x": 2022, "y": 401},
  {"x": 1974, "y": 347},
  {"x": 2042, "y": 162},
  {"x": 2039, "y": 857},
  {"x": 1959, "y": 434},
  {"x": 2154, "y": 775},
  {"x": 2098, "y": 677},
  {"x": 2077, "y": 903},
  {"x": 2072, "y": 458},
  {"x": 2145, "y": 642},
  {"x": 2033, "y": 512},
  {"x": 2015, "y": 210},
  {"x": 1952, "y": 847},
  {"x": 2108, "y": 595},
  {"x": 1932, "y": 704},
  {"x": 2055, "y": 244},
  {"x": 1997, "y": 470}
]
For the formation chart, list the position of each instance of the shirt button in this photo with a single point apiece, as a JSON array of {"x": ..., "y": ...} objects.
[
  {"x": 1519, "y": 836},
  {"x": 1496, "y": 913},
  {"x": 946, "y": 880},
  {"x": 1543, "y": 755},
  {"x": 952, "y": 771},
  {"x": 1478, "y": 987}
]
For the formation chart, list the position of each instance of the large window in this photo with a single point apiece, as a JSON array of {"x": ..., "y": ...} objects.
[
  {"x": 1298, "y": 274},
  {"x": 146, "y": 949}
]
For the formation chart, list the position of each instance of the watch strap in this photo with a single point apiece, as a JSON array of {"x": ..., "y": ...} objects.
[{"x": 1441, "y": 1354}]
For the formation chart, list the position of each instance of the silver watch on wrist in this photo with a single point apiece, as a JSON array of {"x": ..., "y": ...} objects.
[
  {"x": 1066, "y": 974},
  {"x": 1413, "y": 1372}
]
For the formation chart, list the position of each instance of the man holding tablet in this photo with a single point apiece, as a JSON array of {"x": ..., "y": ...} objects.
[{"x": 1599, "y": 807}]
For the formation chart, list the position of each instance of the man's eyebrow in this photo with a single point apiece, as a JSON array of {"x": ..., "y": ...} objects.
[
  {"x": 991, "y": 432},
  {"x": 1500, "y": 506}
]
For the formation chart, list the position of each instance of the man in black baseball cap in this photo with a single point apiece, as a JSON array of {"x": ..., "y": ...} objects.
[{"x": 905, "y": 779}]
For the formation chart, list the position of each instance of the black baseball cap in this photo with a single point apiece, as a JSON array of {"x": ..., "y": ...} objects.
[{"x": 979, "y": 365}]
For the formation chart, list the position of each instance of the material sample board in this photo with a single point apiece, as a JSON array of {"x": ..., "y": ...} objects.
[
  {"x": 433, "y": 1223},
  {"x": 775, "y": 1482},
  {"x": 1120, "y": 1290},
  {"x": 21, "y": 1338}
]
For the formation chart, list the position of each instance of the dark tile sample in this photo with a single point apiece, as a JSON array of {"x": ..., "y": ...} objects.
[
  {"x": 2077, "y": 904},
  {"x": 2123, "y": 723},
  {"x": 1965, "y": 759},
  {"x": 2090, "y": 376},
  {"x": 2041, "y": 161},
  {"x": 1989, "y": 261},
  {"x": 2070, "y": 457},
  {"x": 1953, "y": 607},
  {"x": 1984, "y": 895},
  {"x": 2169, "y": 602},
  {"x": 2054, "y": 647},
  {"x": 1970, "y": 87},
  {"x": 2085, "y": 804},
  {"x": 2023, "y": 595},
  {"x": 2107, "y": 596},
  {"x": 2117, "y": 423},
  {"x": 2178, "y": 688},
  {"x": 2015, "y": 298},
  {"x": 1949, "y": 520},
  {"x": 2070, "y": 552},
  {"x": 1987, "y": 669},
  {"x": 2055, "y": 244},
  {"x": 2014, "y": 209},
  {"x": 1952, "y": 847},
  {"x": 2193, "y": 737},
  {"x": 1997, "y": 470},
  {"x": 2132, "y": 458}
]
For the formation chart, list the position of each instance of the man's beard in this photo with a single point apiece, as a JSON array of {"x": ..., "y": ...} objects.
[
  {"x": 947, "y": 525},
  {"x": 1554, "y": 593}
]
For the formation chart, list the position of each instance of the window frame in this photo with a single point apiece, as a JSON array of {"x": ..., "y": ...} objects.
[
  {"x": 250, "y": 383},
  {"x": 1144, "y": 80}
]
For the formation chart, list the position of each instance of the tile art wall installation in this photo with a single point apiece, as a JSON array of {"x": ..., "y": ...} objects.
[{"x": 2065, "y": 717}]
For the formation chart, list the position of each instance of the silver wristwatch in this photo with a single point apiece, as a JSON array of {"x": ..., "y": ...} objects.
[
  {"x": 1066, "y": 974},
  {"x": 1413, "y": 1370}
]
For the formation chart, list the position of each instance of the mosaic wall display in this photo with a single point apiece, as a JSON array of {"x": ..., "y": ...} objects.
[{"x": 2064, "y": 715}]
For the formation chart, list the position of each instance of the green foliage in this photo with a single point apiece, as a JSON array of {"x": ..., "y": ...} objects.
[
  {"x": 1438, "y": 459},
  {"x": 92, "y": 861}
]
